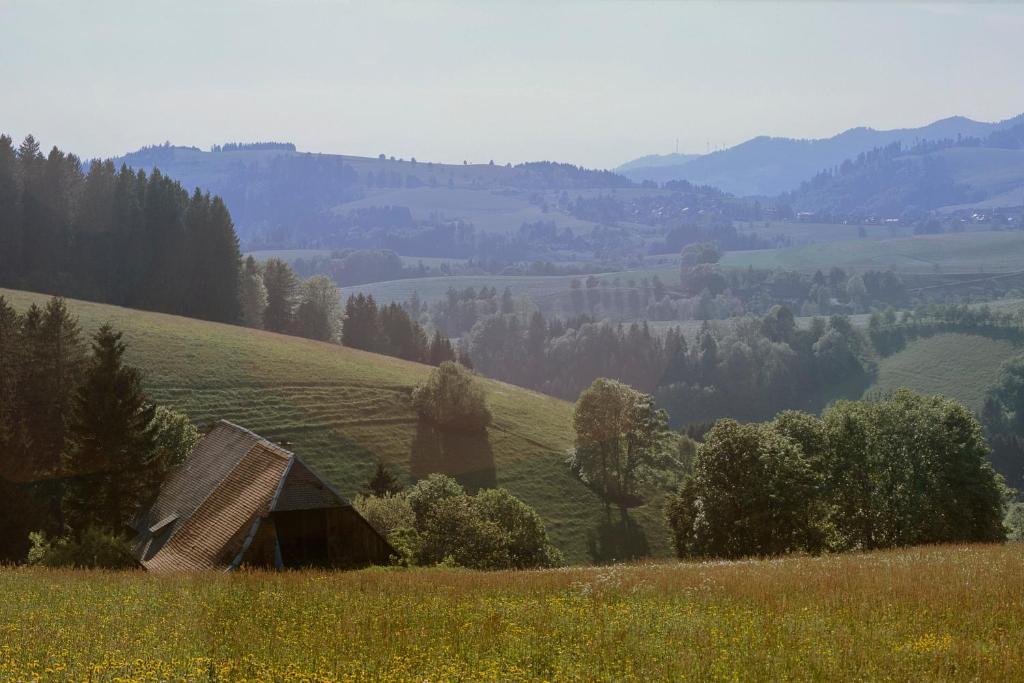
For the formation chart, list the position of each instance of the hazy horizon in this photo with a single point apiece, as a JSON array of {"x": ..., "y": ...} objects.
[{"x": 592, "y": 84}]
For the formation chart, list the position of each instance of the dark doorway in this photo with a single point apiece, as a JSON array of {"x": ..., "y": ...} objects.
[{"x": 302, "y": 535}]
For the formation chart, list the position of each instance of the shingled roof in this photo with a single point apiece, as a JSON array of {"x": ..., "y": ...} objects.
[{"x": 211, "y": 505}]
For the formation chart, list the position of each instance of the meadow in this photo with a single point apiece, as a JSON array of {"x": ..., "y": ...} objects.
[
  {"x": 961, "y": 366},
  {"x": 968, "y": 252},
  {"x": 931, "y": 613},
  {"x": 342, "y": 410}
]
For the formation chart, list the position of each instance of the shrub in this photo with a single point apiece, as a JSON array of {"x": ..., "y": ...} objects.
[
  {"x": 95, "y": 548},
  {"x": 527, "y": 539},
  {"x": 437, "y": 522},
  {"x": 456, "y": 533},
  {"x": 452, "y": 399}
]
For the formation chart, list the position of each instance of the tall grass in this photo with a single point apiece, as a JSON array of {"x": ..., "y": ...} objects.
[{"x": 922, "y": 614}]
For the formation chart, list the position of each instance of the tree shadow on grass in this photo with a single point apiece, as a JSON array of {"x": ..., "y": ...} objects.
[
  {"x": 468, "y": 458},
  {"x": 617, "y": 538}
]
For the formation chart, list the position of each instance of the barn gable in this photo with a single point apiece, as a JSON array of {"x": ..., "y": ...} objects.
[{"x": 240, "y": 499}]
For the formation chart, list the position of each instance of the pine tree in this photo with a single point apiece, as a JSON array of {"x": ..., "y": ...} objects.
[
  {"x": 111, "y": 461},
  {"x": 282, "y": 289},
  {"x": 12, "y": 438},
  {"x": 10, "y": 213},
  {"x": 383, "y": 482},
  {"x": 54, "y": 358},
  {"x": 362, "y": 327},
  {"x": 440, "y": 349}
]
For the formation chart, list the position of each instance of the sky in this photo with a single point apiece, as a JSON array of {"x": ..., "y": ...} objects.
[{"x": 591, "y": 83}]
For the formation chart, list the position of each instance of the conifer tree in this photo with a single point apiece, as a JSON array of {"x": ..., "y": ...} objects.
[
  {"x": 10, "y": 212},
  {"x": 440, "y": 349},
  {"x": 282, "y": 288},
  {"x": 111, "y": 460},
  {"x": 383, "y": 482}
]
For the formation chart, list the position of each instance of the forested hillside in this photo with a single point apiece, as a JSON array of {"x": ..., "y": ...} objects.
[
  {"x": 114, "y": 234},
  {"x": 904, "y": 181}
]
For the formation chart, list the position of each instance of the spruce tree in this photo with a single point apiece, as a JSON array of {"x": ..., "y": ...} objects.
[
  {"x": 440, "y": 350},
  {"x": 282, "y": 290},
  {"x": 10, "y": 213},
  {"x": 111, "y": 463},
  {"x": 383, "y": 482}
]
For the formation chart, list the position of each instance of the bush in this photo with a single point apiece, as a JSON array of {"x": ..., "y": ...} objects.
[
  {"x": 95, "y": 548},
  {"x": 527, "y": 539},
  {"x": 456, "y": 533},
  {"x": 426, "y": 494},
  {"x": 437, "y": 522},
  {"x": 452, "y": 399}
]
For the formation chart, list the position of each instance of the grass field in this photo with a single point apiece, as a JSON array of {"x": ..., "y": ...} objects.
[
  {"x": 961, "y": 366},
  {"x": 292, "y": 255},
  {"x": 936, "y": 613},
  {"x": 343, "y": 409},
  {"x": 967, "y": 252}
]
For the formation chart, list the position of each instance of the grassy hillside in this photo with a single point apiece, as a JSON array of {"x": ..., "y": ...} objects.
[
  {"x": 959, "y": 252},
  {"x": 939, "y": 613},
  {"x": 500, "y": 211},
  {"x": 961, "y": 366},
  {"x": 343, "y": 409}
]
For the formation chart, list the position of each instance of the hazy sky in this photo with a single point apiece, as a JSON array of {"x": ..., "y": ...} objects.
[{"x": 590, "y": 83}]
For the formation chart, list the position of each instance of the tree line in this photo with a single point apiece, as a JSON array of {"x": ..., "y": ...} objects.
[
  {"x": 274, "y": 298},
  {"x": 114, "y": 235}
]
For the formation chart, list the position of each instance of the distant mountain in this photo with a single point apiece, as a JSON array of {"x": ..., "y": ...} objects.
[
  {"x": 657, "y": 161},
  {"x": 769, "y": 166},
  {"x": 962, "y": 172}
]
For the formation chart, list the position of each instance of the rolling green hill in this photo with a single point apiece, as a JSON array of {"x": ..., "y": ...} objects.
[
  {"x": 961, "y": 366},
  {"x": 343, "y": 409}
]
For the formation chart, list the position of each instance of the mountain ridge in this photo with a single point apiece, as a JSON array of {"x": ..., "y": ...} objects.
[{"x": 767, "y": 165}]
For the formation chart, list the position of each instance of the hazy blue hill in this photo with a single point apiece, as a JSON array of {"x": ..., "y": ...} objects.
[
  {"x": 769, "y": 166},
  {"x": 279, "y": 195},
  {"x": 657, "y": 161},
  {"x": 974, "y": 172}
]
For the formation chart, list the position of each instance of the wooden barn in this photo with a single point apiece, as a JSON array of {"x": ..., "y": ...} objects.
[{"x": 240, "y": 500}]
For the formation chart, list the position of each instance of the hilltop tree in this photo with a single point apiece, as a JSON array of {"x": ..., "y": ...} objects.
[
  {"x": 282, "y": 289},
  {"x": 253, "y": 293},
  {"x": 10, "y": 210},
  {"x": 453, "y": 399},
  {"x": 441, "y": 350},
  {"x": 362, "y": 328},
  {"x": 319, "y": 313}
]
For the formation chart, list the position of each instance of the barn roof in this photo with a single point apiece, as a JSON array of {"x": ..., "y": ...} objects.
[{"x": 210, "y": 505}]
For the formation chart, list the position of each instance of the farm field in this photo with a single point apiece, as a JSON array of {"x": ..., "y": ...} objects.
[
  {"x": 343, "y": 409},
  {"x": 968, "y": 252},
  {"x": 961, "y": 366},
  {"x": 802, "y": 233},
  {"x": 843, "y": 617},
  {"x": 543, "y": 290},
  {"x": 290, "y": 256}
]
